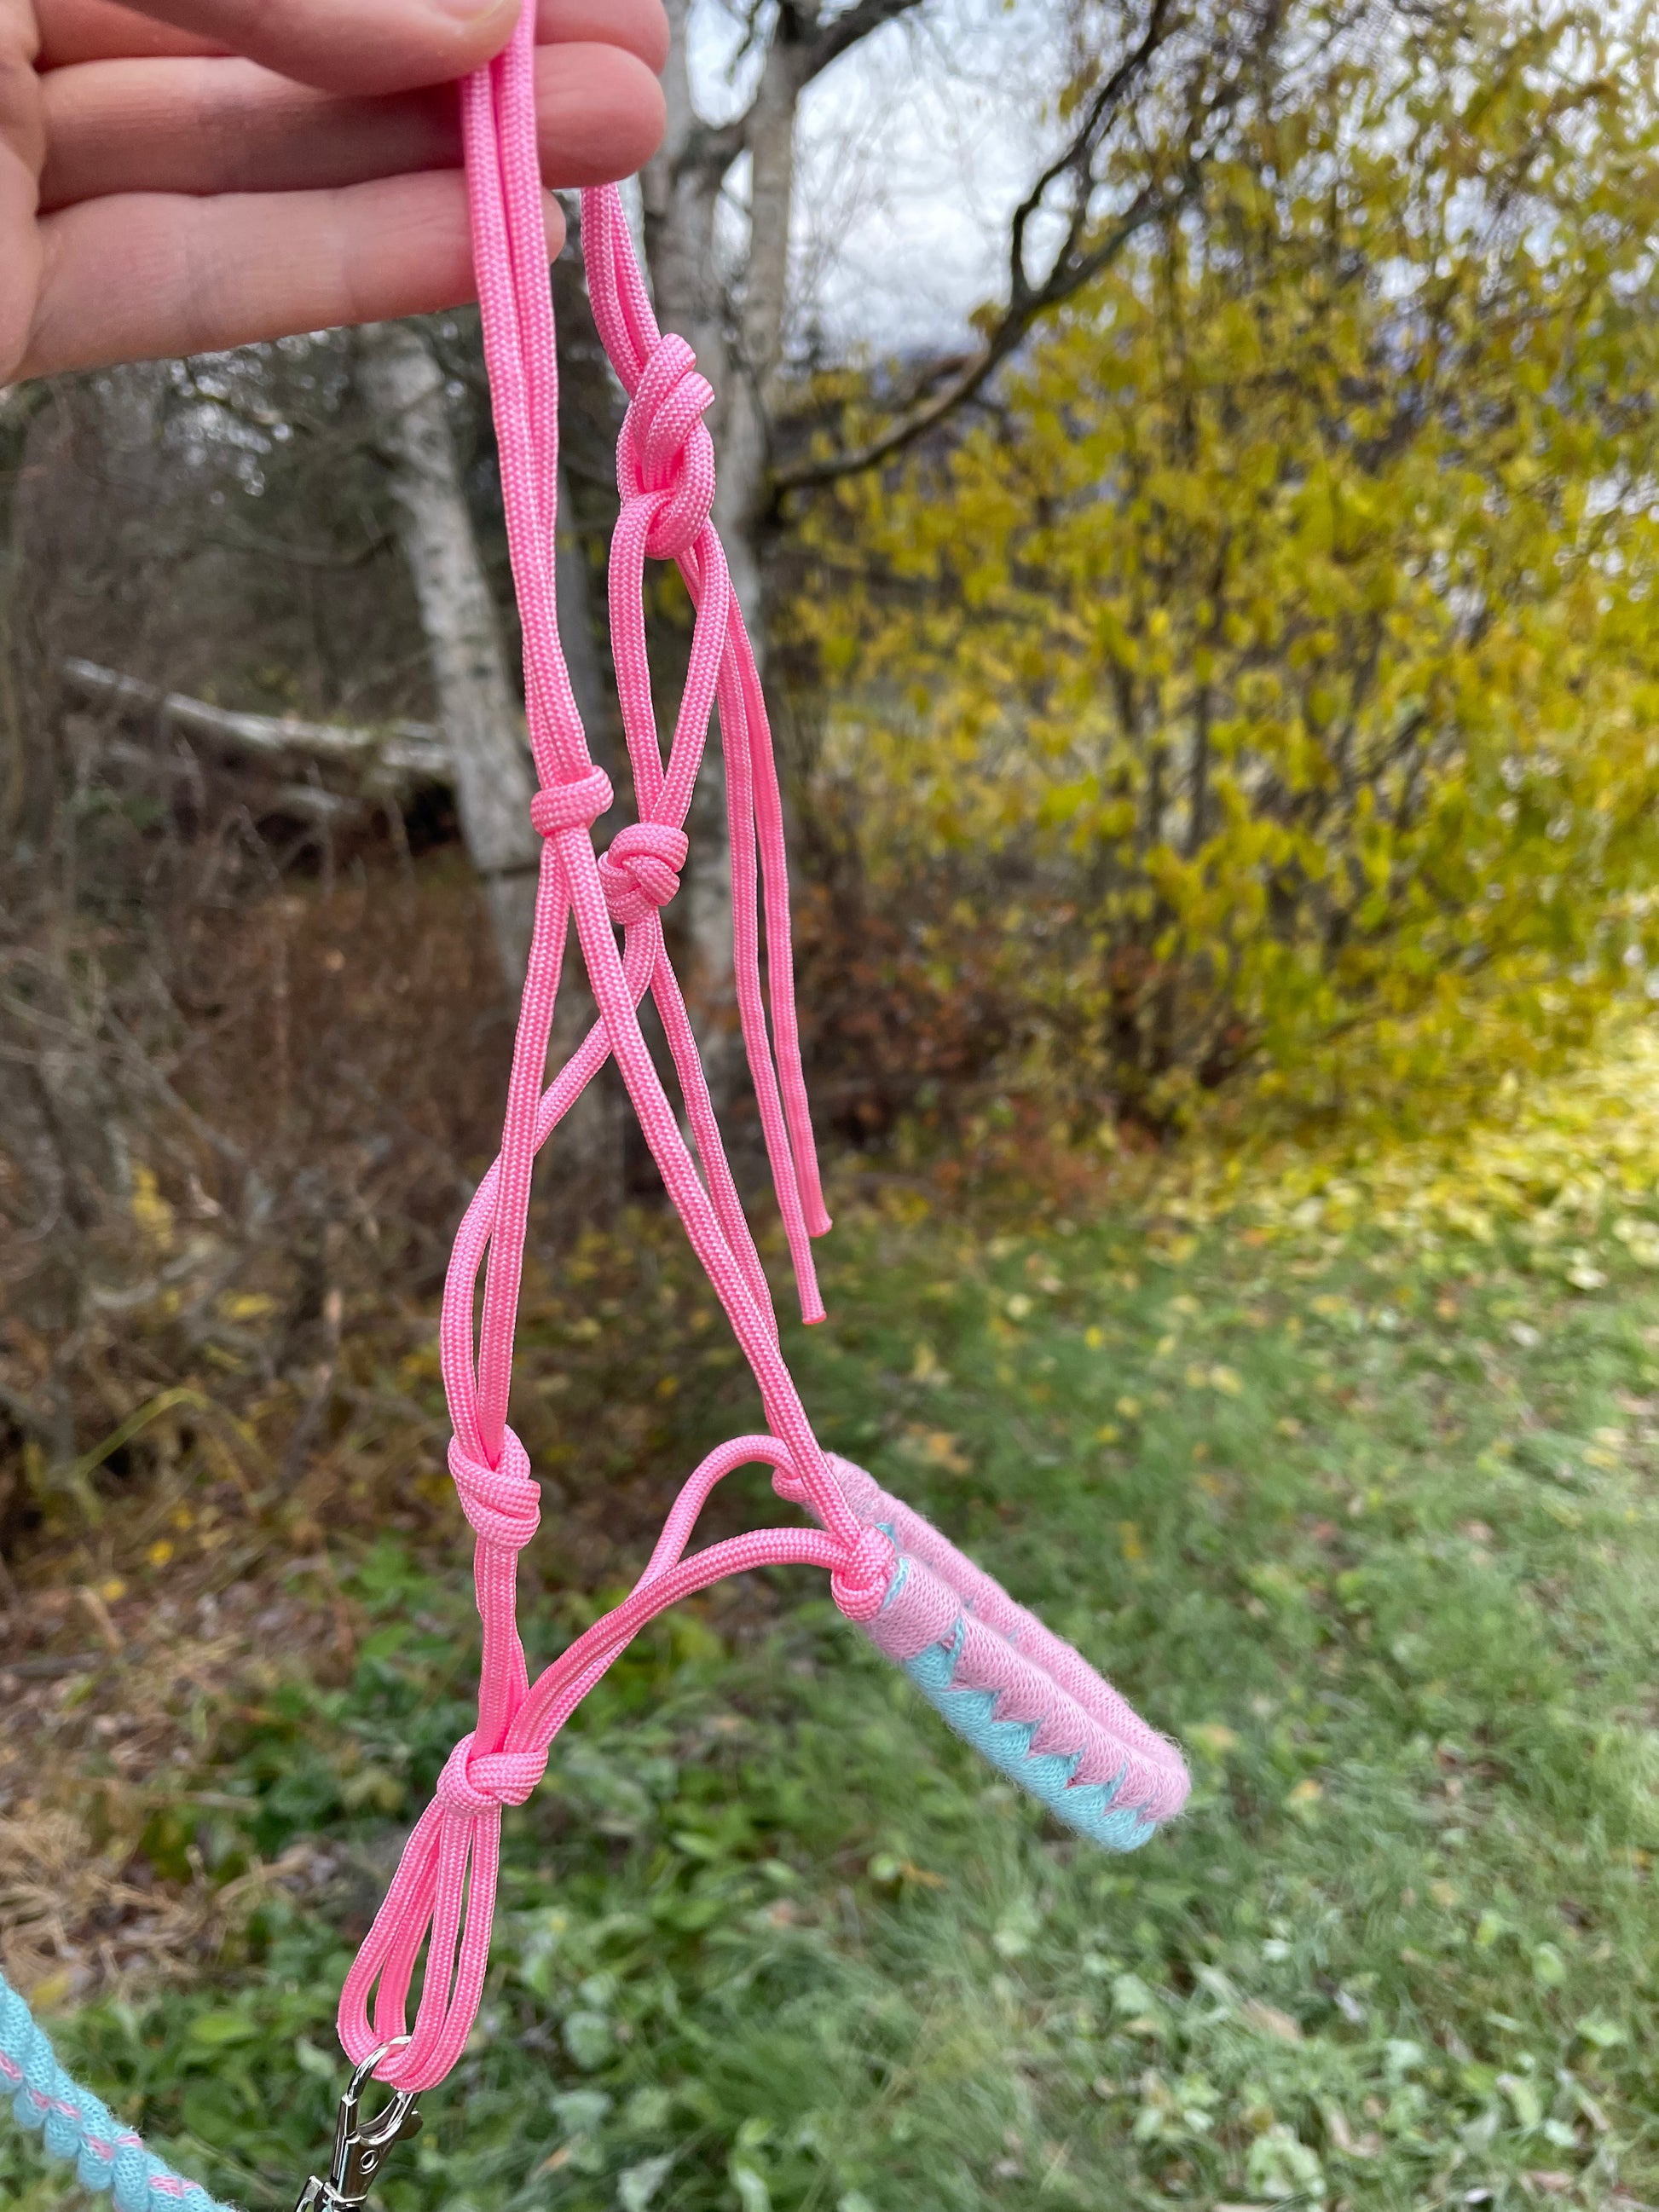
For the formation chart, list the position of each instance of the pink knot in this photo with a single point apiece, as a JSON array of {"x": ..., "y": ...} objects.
[
  {"x": 860, "y": 1584},
  {"x": 665, "y": 453},
  {"x": 577, "y": 805},
  {"x": 641, "y": 870},
  {"x": 472, "y": 1781},
  {"x": 504, "y": 1503}
]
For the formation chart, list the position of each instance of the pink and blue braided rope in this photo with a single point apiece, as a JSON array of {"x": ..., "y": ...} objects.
[
  {"x": 75, "y": 2125},
  {"x": 1030, "y": 1703}
]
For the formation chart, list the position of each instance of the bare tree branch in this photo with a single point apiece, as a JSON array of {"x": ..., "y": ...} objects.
[
  {"x": 849, "y": 29},
  {"x": 915, "y": 420},
  {"x": 1078, "y": 159},
  {"x": 711, "y": 149},
  {"x": 1078, "y": 258}
]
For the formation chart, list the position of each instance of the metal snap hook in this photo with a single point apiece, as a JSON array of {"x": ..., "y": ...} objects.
[{"x": 362, "y": 2145}]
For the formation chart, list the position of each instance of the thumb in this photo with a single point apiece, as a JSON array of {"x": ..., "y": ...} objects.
[{"x": 351, "y": 45}]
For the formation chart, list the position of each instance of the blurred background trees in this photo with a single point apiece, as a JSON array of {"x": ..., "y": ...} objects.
[
  {"x": 1281, "y": 644},
  {"x": 1214, "y": 676}
]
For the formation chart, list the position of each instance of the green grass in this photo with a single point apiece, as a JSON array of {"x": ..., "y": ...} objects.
[{"x": 1378, "y": 1543}]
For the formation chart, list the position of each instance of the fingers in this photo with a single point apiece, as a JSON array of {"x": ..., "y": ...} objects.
[
  {"x": 22, "y": 149},
  {"x": 351, "y": 45},
  {"x": 139, "y": 277},
  {"x": 91, "y": 30},
  {"x": 199, "y": 126},
  {"x": 342, "y": 46}
]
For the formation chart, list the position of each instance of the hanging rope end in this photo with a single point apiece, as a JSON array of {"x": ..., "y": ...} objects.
[{"x": 807, "y": 1283}]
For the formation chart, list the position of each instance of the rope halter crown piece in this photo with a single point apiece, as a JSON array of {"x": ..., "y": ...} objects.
[{"x": 1030, "y": 1702}]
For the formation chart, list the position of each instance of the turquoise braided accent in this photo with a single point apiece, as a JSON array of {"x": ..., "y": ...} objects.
[
  {"x": 75, "y": 2125},
  {"x": 1007, "y": 1745}
]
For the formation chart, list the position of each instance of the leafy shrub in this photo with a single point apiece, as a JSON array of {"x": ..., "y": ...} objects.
[{"x": 1278, "y": 660}]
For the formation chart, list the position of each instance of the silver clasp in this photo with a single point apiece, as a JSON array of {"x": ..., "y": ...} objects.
[{"x": 361, "y": 2146}]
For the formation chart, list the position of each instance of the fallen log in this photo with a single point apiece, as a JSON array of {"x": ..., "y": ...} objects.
[
  {"x": 393, "y": 758},
  {"x": 309, "y": 802}
]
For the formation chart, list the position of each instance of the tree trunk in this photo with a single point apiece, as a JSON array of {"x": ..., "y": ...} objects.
[
  {"x": 680, "y": 198},
  {"x": 403, "y": 386},
  {"x": 591, "y": 410},
  {"x": 745, "y": 444},
  {"x": 738, "y": 349},
  {"x": 575, "y": 603},
  {"x": 682, "y": 191}
]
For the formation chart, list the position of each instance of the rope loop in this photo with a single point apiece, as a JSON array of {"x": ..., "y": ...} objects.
[
  {"x": 665, "y": 453},
  {"x": 475, "y": 1782},
  {"x": 503, "y": 1503},
  {"x": 641, "y": 872},
  {"x": 577, "y": 805}
]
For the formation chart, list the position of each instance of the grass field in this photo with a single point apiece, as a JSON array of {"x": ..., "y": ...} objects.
[{"x": 1366, "y": 1514}]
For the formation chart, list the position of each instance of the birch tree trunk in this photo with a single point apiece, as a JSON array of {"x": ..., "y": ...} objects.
[
  {"x": 761, "y": 308},
  {"x": 680, "y": 195},
  {"x": 738, "y": 340},
  {"x": 403, "y": 386},
  {"x": 738, "y": 349},
  {"x": 575, "y": 603}
]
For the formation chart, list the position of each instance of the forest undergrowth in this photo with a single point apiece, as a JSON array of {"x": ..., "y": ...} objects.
[{"x": 1341, "y": 1463}]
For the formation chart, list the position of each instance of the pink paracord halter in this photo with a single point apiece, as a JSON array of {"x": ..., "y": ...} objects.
[{"x": 1038, "y": 1709}]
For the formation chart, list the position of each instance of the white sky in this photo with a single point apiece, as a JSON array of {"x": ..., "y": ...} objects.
[{"x": 913, "y": 151}]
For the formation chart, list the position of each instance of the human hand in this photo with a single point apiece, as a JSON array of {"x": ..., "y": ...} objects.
[{"x": 183, "y": 175}]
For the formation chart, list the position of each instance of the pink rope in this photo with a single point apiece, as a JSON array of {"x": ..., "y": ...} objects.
[
  {"x": 1062, "y": 1718},
  {"x": 441, "y": 1901}
]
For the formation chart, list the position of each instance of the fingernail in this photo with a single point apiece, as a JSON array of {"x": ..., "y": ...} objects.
[{"x": 469, "y": 11}]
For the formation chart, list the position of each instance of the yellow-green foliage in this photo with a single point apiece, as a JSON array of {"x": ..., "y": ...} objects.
[
  {"x": 1566, "y": 1167},
  {"x": 1288, "y": 632}
]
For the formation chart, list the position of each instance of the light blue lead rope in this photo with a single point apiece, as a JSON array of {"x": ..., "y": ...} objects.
[{"x": 75, "y": 2125}]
